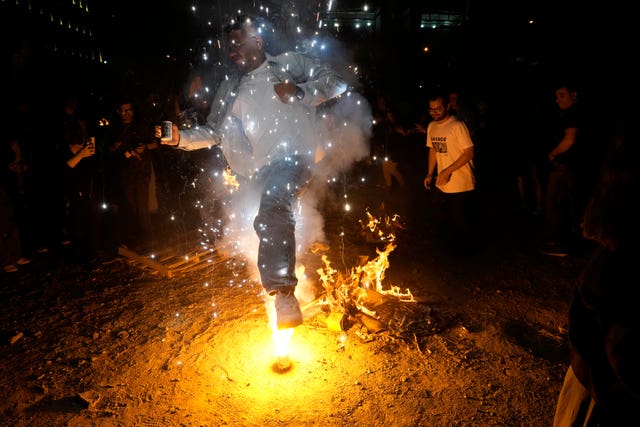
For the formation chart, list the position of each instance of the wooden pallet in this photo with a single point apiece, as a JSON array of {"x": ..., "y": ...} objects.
[{"x": 172, "y": 259}]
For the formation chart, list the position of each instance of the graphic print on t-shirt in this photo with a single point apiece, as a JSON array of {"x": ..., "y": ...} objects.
[{"x": 440, "y": 146}]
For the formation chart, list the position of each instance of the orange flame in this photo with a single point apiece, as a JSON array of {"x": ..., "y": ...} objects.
[
  {"x": 342, "y": 289},
  {"x": 281, "y": 341},
  {"x": 281, "y": 337}
]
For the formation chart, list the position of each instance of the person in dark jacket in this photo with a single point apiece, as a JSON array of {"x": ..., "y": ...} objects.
[
  {"x": 602, "y": 384},
  {"x": 78, "y": 173},
  {"x": 133, "y": 186}
]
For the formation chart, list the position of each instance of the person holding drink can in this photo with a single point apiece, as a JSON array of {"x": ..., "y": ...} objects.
[
  {"x": 79, "y": 172},
  {"x": 133, "y": 189},
  {"x": 262, "y": 118}
]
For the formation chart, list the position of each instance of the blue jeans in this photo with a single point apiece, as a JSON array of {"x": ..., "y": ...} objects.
[{"x": 282, "y": 181}]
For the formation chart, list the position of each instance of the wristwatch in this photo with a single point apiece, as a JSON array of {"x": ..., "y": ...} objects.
[{"x": 299, "y": 93}]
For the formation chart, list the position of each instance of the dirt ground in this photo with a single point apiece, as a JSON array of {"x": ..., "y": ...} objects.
[{"x": 484, "y": 342}]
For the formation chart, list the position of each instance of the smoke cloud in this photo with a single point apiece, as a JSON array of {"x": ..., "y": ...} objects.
[{"x": 341, "y": 135}]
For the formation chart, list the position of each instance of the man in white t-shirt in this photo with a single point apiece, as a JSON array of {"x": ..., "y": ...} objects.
[
  {"x": 263, "y": 119},
  {"x": 451, "y": 150}
]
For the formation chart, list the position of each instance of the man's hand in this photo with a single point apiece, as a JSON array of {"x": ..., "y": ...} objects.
[
  {"x": 286, "y": 92},
  {"x": 87, "y": 151},
  {"x": 135, "y": 154},
  {"x": 427, "y": 182},
  {"x": 419, "y": 128},
  {"x": 443, "y": 177},
  {"x": 175, "y": 135}
]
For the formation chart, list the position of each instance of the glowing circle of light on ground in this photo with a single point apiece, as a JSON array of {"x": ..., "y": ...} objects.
[{"x": 246, "y": 361}]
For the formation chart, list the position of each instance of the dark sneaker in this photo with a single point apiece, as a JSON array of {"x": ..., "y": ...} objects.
[
  {"x": 555, "y": 249},
  {"x": 287, "y": 309}
]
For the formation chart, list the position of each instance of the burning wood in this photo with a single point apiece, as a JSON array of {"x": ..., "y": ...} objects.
[{"x": 360, "y": 296}]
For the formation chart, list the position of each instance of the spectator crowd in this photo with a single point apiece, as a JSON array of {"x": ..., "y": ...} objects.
[{"x": 84, "y": 182}]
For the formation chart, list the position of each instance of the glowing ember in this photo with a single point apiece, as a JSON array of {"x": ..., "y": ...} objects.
[
  {"x": 283, "y": 364},
  {"x": 230, "y": 180}
]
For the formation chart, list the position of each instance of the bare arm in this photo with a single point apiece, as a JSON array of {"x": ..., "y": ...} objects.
[
  {"x": 565, "y": 143},
  {"x": 86, "y": 151},
  {"x": 431, "y": 166},
  {"x": 445, "y": 175}
]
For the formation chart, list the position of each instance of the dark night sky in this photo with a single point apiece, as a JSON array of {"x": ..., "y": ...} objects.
[
  {"x": 590, "y": 41},
  {"x": 568, "y": 38},
  {"x": 146, "y": 28}
]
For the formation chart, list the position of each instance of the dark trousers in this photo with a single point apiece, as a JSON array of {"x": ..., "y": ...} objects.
[
  {"x": 460, "y": 210},
  {"x": 274, "y": 224},
  {"x": 136, "y": 219},
  {"x": 85, "y": 229},
  {"x": 562, "y": 205}
]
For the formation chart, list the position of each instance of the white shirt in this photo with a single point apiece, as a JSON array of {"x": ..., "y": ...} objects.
[
  {"x": 252, "y": 126},
  {"x": 274, "y": 129},
  {"x": 449, "y": 139}
]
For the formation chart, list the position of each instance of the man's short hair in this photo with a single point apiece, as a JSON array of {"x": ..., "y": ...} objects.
[
  {"x": 245, "y": 23},
  {"x": 442, "y": 95}
]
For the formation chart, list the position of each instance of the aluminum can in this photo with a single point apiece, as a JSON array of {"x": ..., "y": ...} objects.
[
  {"x": 91, "y": 144},
  {"x": 166, "y": 130}
]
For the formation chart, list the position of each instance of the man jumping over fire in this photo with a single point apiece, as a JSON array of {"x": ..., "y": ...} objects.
[{"x": 263, "y": 119}]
